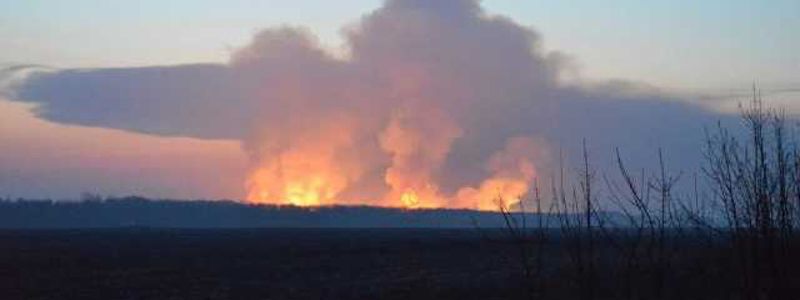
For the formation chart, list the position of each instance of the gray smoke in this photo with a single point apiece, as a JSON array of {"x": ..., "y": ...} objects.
[{"x": 446, "y": 78}]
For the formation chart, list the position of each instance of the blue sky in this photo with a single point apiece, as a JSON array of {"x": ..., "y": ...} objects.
[{"x": 673, "y": 44}]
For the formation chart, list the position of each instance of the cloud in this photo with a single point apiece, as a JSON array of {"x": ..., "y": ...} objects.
[{"x": 430, "y": 95}]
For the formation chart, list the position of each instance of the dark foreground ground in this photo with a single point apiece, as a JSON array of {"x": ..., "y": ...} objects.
[
  {"x": 145, "y": 263},
  {"x": 257, "y": 264}
]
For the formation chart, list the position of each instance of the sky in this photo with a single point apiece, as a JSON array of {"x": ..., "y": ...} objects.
[
  {"x": 689, "y": 44},
  {"x": 59, "y": 143}
]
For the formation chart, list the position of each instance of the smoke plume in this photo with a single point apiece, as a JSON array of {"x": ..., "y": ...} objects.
[{"x": 436, "y": 104}]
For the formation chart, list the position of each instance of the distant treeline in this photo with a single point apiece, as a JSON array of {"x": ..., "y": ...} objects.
[{"x": 143, "y": 212}]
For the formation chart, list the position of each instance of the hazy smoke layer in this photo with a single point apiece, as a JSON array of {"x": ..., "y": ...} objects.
[{"x": 437, "y": 104}]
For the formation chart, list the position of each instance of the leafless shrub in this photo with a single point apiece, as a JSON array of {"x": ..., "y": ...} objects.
[{"x": 755, "y": 179}]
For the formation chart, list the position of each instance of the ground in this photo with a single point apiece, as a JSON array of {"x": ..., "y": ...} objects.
[{"x": 256, "y": 264}]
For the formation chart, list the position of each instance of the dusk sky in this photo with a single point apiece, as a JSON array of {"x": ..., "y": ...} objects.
[
  {"x": 677, "y": 44},
  {"x": 229, "y": 96}
]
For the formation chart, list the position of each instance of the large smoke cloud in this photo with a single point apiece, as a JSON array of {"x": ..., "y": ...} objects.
[{"x": 437, "y": 104}]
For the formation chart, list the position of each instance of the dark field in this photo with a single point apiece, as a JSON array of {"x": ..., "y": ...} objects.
[
  {"x": 142, "y": 263},
  {"x": 257, "y": 264}
]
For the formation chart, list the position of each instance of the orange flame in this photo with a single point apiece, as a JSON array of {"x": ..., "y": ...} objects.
[
  {"x": 410, "y": 199},
  {"x": 418, "y": 145},
  {"x": 314, "y": 178},
  {"x": 312, "y": 171}
]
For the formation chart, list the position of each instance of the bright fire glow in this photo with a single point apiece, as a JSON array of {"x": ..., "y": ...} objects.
[
  {"x": 312, "y": 176},
  {"x": 410, "y": 199},
  {"x": 311, "y": 172}
]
